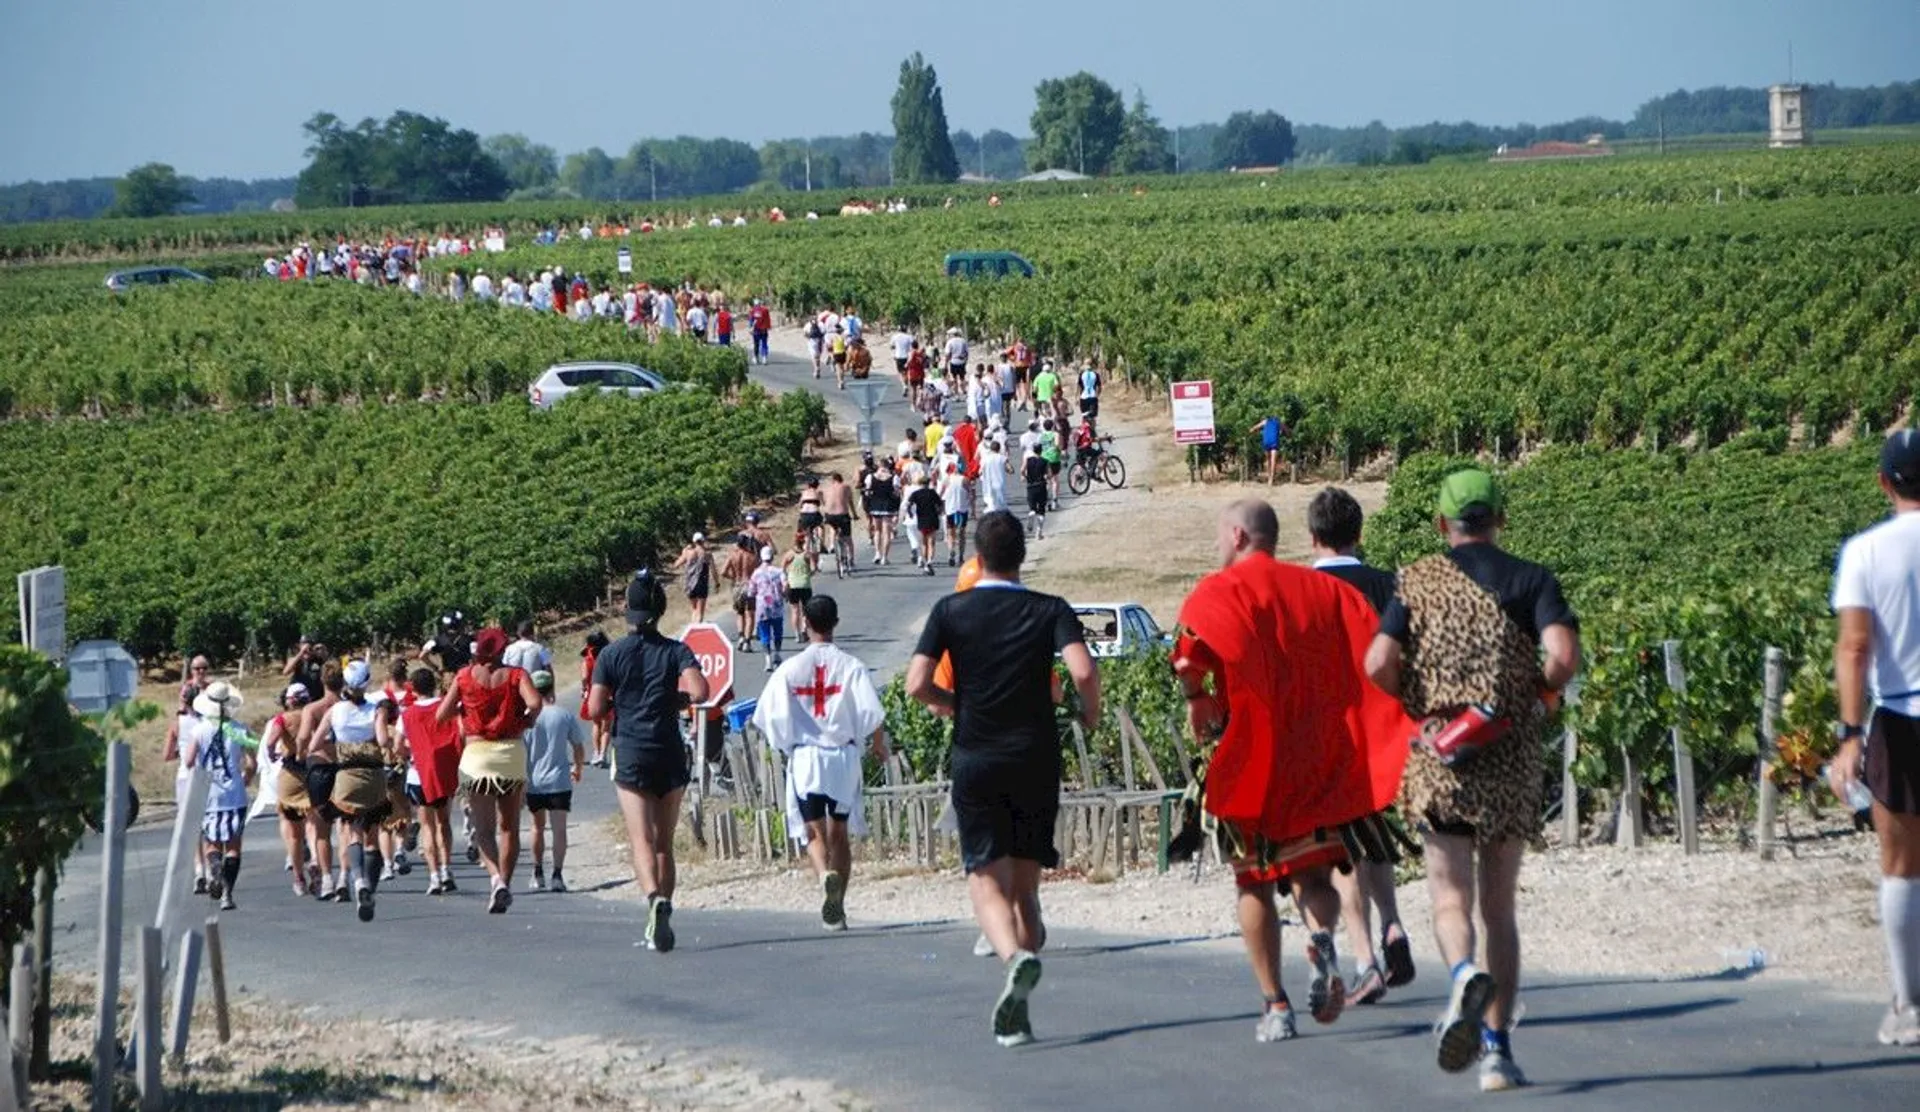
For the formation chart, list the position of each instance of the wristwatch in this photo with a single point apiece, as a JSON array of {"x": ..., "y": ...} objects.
[{"x": 1847, "y": 731}]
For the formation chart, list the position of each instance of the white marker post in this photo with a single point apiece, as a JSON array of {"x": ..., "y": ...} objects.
[
  {"x": 113, "y": 855},
  {"x": 1682, "y": 756}
]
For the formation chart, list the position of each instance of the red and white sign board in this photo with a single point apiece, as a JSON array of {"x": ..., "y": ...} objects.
[
  {"x": 1193, "y": 412},
  {"x": 712, "y": 648}
]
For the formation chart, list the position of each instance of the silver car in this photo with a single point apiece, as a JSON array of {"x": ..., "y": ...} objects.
[
  {"x": 122, "y": 280},
  {"x": 563, "y": 379}
]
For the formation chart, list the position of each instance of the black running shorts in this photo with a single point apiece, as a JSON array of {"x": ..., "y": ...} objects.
[
  {"x": 549, "y": 801},
  {"x": 1006, "y": 808},
  {"x": 1893, "y": 761},
  {"x": 650, "y": 770},
  {"x": 816, "y": 807}
]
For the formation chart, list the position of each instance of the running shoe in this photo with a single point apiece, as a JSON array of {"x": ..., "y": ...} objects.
[
  {"x": 199, "y": 886},
  {"x": 388, "y": 872},
  {"x": 1399, "y": 953},
  {"x": 559, "y": 882},
  {"x": 539, "y": 880},
  {"x": 434, "y": 888},
  {"x": 226, "y": 902},
  {"x": 953, "y": 561},
  {"x": 1901, "y": 1027},
  {"x": 411, "y": 843},
  {"x": 501, "y": 899},
  {"x": 401, "y": 864},
  {"x": 982, "y": 946},
  {"x": 288, "y": 867},
  {"x": 833, "y": 909},
  {"x": 1276, "y": 1025},
  {"x": 473, "y": 853},
  {"x": 215, "y": 886},
  {"x": 929, "y": 568},
  {"x": 326, "y": 891},
  {"x": 1499, "y": 1072},
  {"x": 363, "y": 896},
  {"x": 1368, "y": 986},
  {"x": 1326, "y": 993},
  {"x": 447, "y": 884},
  {"x": 300, "y": 884},
  {"x": 660, "y": 924},
  {"x": 313, "y": 877},
  {"x": 1459, "y": 1029},
  {"x": 1023, "y": 973}
]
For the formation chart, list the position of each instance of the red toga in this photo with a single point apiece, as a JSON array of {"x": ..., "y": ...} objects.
[{"x": 1310, "y": 742}]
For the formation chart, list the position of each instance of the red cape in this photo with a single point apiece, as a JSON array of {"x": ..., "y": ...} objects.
[{"x": 1310, "y": 741}]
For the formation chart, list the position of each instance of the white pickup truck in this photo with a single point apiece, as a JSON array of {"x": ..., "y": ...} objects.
[{"x": 1119, "y": 629}]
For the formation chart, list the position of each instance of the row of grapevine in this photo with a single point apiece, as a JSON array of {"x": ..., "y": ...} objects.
[
  {"x": 214, "y": 532},
  {"x": 1321, "y": 194},
  {"x": 79, "y": 350}
]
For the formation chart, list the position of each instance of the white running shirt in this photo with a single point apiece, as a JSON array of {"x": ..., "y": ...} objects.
[{"x": 1879, "y": 571}]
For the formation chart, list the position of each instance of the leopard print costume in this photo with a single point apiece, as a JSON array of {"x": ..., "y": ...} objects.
[{"x": 1462, "y": 648}]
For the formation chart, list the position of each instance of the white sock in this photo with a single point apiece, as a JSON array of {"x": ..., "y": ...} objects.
[{"x": 1900, "y": 918}]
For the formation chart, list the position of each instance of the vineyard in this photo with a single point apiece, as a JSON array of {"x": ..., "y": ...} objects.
[
  {"x": 223, "y": 532},
  {"x": 72, "y": 349}
]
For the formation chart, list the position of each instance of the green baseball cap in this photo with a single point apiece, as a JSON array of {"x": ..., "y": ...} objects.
[{"x": 1468, "y": 487}]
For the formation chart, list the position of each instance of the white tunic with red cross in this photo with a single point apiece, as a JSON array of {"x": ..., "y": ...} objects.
[{"x": 819, "y": 709}]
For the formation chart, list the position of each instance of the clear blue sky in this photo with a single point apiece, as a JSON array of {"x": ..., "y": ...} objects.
[{"x": 221, "y": 87}]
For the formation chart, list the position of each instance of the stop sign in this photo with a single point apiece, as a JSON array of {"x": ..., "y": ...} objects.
[{"x": 714, "y": 651}]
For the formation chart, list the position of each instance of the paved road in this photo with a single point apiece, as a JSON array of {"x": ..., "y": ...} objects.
[{"x": 897, "y": 1012}]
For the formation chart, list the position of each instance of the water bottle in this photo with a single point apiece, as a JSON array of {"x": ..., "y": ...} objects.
[{"x": 1858, "y": 800}]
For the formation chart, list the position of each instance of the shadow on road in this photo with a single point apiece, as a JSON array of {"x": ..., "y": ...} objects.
[
  {"x": 892, "y": 930},
  {"x": 1751, "y": 1073},
  {"x": 1092, "y": 1037}
]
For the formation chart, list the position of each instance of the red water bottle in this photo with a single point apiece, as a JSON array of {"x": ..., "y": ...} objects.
[{"x": 1474, "y": 728}]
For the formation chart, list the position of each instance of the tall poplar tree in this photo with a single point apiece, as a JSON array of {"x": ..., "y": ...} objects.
[{"x": 923, "y": 150}]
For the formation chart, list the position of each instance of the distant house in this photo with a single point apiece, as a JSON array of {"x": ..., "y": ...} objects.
[
  {"x": 1553, "y": 149},
  {"x": 1055, "y": 174}
]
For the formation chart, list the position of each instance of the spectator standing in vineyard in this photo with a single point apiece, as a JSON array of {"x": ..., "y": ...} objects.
[
  {"x": 1460, "y": 646},
  {"x": 642, "y": 682},
  {"x": 1876, "y": 669},
  {"x": 1271, "y": 430},
  {"x": 1006, "y": 759},
  {"x": 1269, "y": 657},
  {"x": 1334, "y": 521},
  {"x": 303, "y": 667}
]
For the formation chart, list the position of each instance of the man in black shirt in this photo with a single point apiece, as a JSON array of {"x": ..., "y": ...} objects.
[
  {"x": 1460, "y": 642},
  {"x": 451, "y": 647},
  {"x": 1006, "y": 748},
  {"x": 927, "y": 507},
  {"x": 645, "y": 679},
  {"x": 1334, "y": 519}
]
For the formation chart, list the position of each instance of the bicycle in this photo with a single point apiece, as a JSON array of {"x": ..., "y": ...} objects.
[{"x": 1100, "y": 464}]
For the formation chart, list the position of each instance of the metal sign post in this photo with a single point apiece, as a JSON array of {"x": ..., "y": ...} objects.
[
  {"x": 1682, "y": 756},
  {"x": 43, "y": 611}
]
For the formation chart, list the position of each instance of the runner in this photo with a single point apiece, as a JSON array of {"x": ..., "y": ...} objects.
[
  {"x": 217, "y": 740},
  {"x": 768, "y": 586},
  {"x": 198, "y": 671},
  {"x": 837, "y": 352},
  {"x": 554, "y": 760},
  {"x": 642, "y": 681},
  {"x": 810, "y": 516},
  {"x": 1045, "y": 385},
  {"x": 760, "y": 322},
  {"x": 494, "y": 705},
  {"x": 816, "y": 710},
  {"x": 320, "y": 883},
  {"x": 1090, "y": 384},
  {"x": 956, "y": 493},
  {"x": 523, "y": 652},
  {"x": 836, "y": 504},
  {"x": 1334, "y": 521},
  {"x": 431, "y": 746},
  {"x": 815, "y": 343},
  {"x": 1876, "y": 668},
  {"x": 859, "y": 360},
  {"x": 927, "y": 508},
  {"x": 883, "y": 505},
  {"x": 1052, "y": 449},
  {"x": 903, "y": 344},
  {"x": 956, "y": 354},
  {"x": 347, "y": 767},
  {"x": 278, "y": 744},
  {"x": 1033, "y": 471},
  {"x": 739, "y": 568},
  {"x": 596, "y": 641},
  {"x": 1270, "y": 659},
  {"x": 915, "y": 376},
  {"x": 798, "y": 567},
  {"x": 695, "y": 565},
  {"x": 993, "y": 475},
  {"x": 1020, "y": 358},
  {"x": 1006, "y": 763},
  {"x": 1460, "y": 644}
]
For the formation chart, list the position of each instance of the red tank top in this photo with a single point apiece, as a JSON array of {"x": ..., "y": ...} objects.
[
  {"x": 493, "y": 713},
  {"x": 425, "y": 733}
]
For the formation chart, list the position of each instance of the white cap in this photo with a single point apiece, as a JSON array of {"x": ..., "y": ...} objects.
[
  {"x": 766, "y": 554},
  {"x": 698, "y": 537}
]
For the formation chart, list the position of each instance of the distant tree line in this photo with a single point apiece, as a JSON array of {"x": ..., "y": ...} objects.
[{"x": 1079, "y": 123}]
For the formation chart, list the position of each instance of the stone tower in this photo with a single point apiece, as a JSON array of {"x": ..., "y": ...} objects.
[{"x": 1786, "y": 115}]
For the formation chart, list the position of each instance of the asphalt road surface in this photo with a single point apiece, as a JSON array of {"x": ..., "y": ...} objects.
[{"x": 897, "y": 1012}]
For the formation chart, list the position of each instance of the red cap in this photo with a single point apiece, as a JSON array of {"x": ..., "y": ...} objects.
[{"x": 490, "y": 643}]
